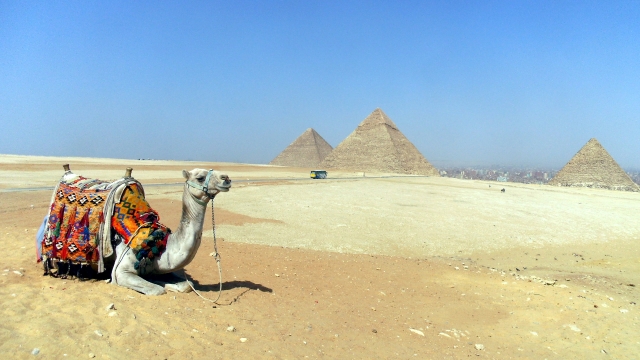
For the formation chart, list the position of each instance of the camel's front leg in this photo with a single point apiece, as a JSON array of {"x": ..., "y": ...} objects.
[
  {"x": 125, "y": 274},
  {"x": 174, "y": 282}
]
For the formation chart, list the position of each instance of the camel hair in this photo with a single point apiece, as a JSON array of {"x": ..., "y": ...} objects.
[{"x": 182, "y": 244}]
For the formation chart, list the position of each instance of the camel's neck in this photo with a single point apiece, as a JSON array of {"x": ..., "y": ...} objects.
[{"x": 183, "y": 244}]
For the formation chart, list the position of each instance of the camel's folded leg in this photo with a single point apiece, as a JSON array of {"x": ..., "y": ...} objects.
[
  {"x": 125, "y": 274},
  {"x": 173, "y": 282},
  {"x": 182, "y": 287}
]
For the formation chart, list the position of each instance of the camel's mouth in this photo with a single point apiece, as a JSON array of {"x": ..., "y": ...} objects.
[{"x": 224, "y": 187}]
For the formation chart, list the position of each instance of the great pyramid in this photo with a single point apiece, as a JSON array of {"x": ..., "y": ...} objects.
[
  {"x": 593, "y": 167},
  {"x": 308, "y": 150},
  {"x": 377, "y": 145}
]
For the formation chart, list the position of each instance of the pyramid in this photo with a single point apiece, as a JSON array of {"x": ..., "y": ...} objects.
[
  {"x": 593, "y": 167},
  {"x": 308, "y": 150},
  {"x": 377, "y": 145}
]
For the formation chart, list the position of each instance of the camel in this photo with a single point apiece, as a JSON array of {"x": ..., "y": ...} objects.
[
  {"x": 200, "y": 187},
  {"x": 182, "y": 244}
]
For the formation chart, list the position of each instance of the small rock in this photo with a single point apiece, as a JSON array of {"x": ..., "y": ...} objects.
[
  {"x": 374, "y": 331},
  {"x": 134, "y": 316},
  {"x": 17, "y": 273},
  {"x": 479, "y": 346},
  {"x": 445, "y": 334},
  {"x": 92, "y": 355},
  {"x": 533, "y": 333},
  {"x": 113, "y": 313},
  {"x": 35, "y": 351},
  {"x": 243, "y": 339},
  {"x": 98, "y": 332},
  {"x": 572, "y": 327},
  {"x": 277, "y": 275},
  {"x": 163, "y": 333},
  {"x": 417, "y": 332},
  {"x": 624, "y": 311},
  {"x": 111, "y": 306},
  {"x": 603, "y": 351},
  {"x": 610, "y": 299},
  {"x": 107, "y": 281},
  {"x": 231, "y": 329}
]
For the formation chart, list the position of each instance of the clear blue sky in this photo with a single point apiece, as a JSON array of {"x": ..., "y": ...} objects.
[{"x": 468, "y": 82}]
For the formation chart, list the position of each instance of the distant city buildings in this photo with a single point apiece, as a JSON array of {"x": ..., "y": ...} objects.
[{"x": 504, "y": 174}]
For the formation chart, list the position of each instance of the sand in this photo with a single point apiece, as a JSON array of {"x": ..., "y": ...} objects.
[{"x": 348, "y": 267}]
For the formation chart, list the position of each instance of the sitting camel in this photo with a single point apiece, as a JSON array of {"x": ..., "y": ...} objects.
[
  {"x": 127, "y": 269},
  {"x": 182, "y": 245}
]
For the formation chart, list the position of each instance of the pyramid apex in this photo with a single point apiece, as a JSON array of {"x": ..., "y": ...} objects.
[{"x": 377, "y": 118}]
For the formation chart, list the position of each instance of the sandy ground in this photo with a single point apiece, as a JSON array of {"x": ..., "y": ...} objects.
[{"x": 341, "y": 268}]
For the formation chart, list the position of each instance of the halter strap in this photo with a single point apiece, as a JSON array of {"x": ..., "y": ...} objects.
[{"x": 204, "y": 188}]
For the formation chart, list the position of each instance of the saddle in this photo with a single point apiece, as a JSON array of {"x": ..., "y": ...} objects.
[{"x": 83, "y": 213}]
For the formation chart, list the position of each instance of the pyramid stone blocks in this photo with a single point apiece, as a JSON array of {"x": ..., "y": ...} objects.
[
  {"x": 593, "y": 167},
  {"x": 308, "y": 150},
  {"x": 377, "y": 145}
]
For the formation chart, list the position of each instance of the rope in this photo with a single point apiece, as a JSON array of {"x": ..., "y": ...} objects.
[{"x": 216, "y": 255}]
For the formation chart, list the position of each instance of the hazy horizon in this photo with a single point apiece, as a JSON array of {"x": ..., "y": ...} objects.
[{"x": 515, "y": 83}]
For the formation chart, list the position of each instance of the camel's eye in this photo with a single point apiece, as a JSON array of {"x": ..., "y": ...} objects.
[{"x": 200, "y": 178}]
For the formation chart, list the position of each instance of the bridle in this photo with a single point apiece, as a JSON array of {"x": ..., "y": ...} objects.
[{"x": 204, "y": 188}]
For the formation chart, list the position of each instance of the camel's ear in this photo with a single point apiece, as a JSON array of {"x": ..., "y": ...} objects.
[{"x": 185, "y": 173}]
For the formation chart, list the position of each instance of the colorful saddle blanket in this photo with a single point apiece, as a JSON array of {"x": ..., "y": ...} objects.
[
  {"x": 74, "y": 221},
  {"x": 77, "y": 217},
  {"x": 139, "y": 226}
]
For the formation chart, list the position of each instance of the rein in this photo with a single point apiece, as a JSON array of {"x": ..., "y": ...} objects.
[{"x": 216, "y": 254}]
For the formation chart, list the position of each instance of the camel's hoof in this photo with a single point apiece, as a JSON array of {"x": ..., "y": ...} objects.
[
  {"x": 156, "y": 291},
  {"x": 182, "y": 287}
]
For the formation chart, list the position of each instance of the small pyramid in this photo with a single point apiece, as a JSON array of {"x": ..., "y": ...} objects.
[
  {"x": 308, "y": 150},
  {"x": 377, "y": 145},
  {"x": 593, "y": 167}
]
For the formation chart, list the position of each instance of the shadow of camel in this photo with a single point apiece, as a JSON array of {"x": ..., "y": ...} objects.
[{"x": 229, "y": 285}]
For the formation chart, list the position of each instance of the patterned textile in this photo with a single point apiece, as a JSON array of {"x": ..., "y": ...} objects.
[
  {"x": 74, "y": 221},
  {"x": 139, "y": 226}
]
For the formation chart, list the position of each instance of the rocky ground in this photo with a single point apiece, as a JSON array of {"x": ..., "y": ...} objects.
[{"x": 343, "y": 268}]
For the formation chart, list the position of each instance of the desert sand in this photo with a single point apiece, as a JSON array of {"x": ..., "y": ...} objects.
[{"x": 353, "y": 266}]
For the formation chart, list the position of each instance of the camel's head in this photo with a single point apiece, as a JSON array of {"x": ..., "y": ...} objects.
[{"x": 204, "y": 185}]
